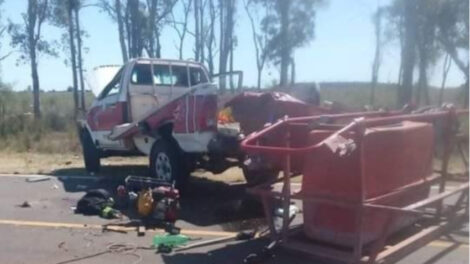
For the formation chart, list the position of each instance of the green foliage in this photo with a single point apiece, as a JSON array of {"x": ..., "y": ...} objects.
[
  {"x": 453, "y": 22},
  {"x": 301, "y": 21},
  {"x": 141, "y": 23},
  {"x": 26, "y": 37}
]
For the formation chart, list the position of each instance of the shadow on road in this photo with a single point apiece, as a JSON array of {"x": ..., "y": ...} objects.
[{"x": 205, "y": 202}]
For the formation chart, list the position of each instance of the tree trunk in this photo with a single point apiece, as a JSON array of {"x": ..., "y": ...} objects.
[
  {"x": 260, "y": 58},
  {"x": 222, "y": 46},
  {"x": 128, "y": 24},
  {"x": 73, "y": 58},
  {"x": 35, "y": 79},
  {"x": 227, "y": 37},
  {"x": 202, "y": 33},
  {"x": 377, "y": 56},
  {"x": 210, "y": 42},
  {"x": 120, "y": 23},
  {"x": 158, "y": 52},
  {"x": 135, "y": 28},
  {"x": 292, "y": 71},
  {"x": 465, "y": 93},
  {"x": 285, "y": 48},
  {"x": 451, "y": 50},
  {"x": 232, "y": 87},
  {"x": 32, "y": 41},
  {"x": 445, "y": 71},
  {"x": 180, "y": 48},
  {"x": 405, "y": 92},
  {"x": 151, "y": 28},
  {"x": 80, "y": 59},
  {"x": 197, "y": 33},
  {"x": 423, "y": 75}
]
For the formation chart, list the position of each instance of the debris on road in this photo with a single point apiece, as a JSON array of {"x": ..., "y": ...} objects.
[
  {"x": 61, "y": 245},
  {"x": 25, "y": 204},
  {"x": 166, "y": 243},
  {"x": 38, "y": 179},
  {"x": 243, "y": 235},
  {"x": 108, "y": 228},
  {"x": 97, "y": 202},
  {"x": 141, "y": 230}
]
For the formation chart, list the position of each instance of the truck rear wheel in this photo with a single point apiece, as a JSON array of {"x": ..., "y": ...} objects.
[
  {"x": 91, "y": 154},
  {"x": 167, "y": 163}
]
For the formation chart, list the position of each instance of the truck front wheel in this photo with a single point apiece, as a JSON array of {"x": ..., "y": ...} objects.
[
  {"x": 91, "y": 154},
  {"x": 167, "y": 163}
]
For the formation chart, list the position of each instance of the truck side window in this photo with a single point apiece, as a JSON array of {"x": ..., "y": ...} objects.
[
  {"x": 197, "y": 76},
  {"x": 161, "y": 75},
  {"x": 113, "y": 86},
  {"x": 141, "y": 74},
  {"x": 180, "y": 76}
]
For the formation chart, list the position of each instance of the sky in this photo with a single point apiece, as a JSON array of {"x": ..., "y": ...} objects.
[{"x": 342, "y": 50}]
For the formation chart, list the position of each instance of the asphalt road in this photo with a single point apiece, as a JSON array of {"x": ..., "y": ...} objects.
[{"x": 50, "y": 232}]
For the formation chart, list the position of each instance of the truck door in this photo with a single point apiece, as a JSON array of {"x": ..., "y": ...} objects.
[
  {"x": 108, "y": 111},
  {"x": 199, "y": 109},
  {"x": 152, "y": 86}
]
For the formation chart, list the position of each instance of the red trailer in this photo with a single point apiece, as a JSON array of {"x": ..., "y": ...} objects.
[{"x": 366, "y": 178}]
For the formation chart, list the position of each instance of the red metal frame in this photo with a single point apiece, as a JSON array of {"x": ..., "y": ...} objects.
[{"x": 443, "y": 219}]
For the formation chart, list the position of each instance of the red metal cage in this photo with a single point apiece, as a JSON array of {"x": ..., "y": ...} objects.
[{"x": 366, "y": 176}]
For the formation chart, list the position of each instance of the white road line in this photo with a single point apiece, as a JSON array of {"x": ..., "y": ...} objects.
[{"x": 52, "y": 176}]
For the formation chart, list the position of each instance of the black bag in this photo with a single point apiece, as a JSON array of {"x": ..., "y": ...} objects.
[{"x": 93, "y": 202}]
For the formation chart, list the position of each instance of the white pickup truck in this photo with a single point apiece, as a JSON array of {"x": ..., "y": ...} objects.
[{"x": 165, "y": 109}]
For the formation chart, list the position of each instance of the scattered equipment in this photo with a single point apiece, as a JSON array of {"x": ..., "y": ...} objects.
[{"x": 157, "y": 201}]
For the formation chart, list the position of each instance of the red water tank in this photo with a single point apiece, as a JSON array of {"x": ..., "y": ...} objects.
[{"x": 393, "y": 156}]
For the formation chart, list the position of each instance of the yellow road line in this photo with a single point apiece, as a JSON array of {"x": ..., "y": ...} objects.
[
  {"x": 445, "y": 244},
  {"x": 111, "y": 226},
  {"x": 436, "y": 243}
]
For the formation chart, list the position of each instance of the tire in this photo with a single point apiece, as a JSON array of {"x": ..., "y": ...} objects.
[
  {"x": 91, "y": 154},
  {"x": 167, "y": 163}
]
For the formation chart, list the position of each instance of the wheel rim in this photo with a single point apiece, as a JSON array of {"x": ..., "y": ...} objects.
[{"x": 163, "y": 167}]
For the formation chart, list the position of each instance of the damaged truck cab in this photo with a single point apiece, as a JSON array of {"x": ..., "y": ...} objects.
[{"x": 165, "y": 109}]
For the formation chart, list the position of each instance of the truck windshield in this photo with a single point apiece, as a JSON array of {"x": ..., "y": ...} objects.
[{"x": 113, "y": 86}]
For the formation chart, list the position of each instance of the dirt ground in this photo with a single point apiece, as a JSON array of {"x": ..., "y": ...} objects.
[{"x": 72, "y": 164}]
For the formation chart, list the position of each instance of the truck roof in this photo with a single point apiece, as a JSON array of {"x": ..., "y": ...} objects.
[{"x": 168, "y": 61}]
